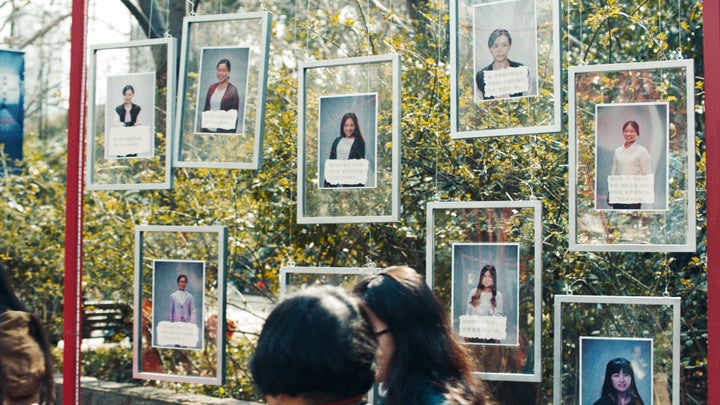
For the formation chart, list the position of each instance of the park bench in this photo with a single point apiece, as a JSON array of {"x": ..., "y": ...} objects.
[{"x": 110, "y": 320}]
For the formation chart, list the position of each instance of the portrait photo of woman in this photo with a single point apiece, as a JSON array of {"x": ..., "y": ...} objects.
[
  {"x": 485, "y": 292},
  {"x": 499, "y": 44},
  {"x": 485, "y": 298},
  {"x": 502, "y": 32},
  {"x": 630, "y": 159},
  {"x": 350, "y": 144},
  {"x": 130, "y": 116},
  {"x": 608, "y": 377},
  {"x": 347, "y": 141},
  {"x": 619, "y": 384},
  {"x": 222, "y": 90},
  {"x": 128, "y": 111},
  {"x": 631, "y": 156},
  {"x": 178, "y": 303}
]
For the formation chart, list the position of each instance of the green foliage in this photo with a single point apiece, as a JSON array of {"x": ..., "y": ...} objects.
[
  {"x": 33, "y": 217},
  {"x": 109, "y": 364}
]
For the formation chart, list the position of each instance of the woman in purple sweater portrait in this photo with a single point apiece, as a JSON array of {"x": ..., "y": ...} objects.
[{"x": 182, "y": 306}]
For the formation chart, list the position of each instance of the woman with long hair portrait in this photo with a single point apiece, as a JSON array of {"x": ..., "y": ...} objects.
[
  {"x": 485, "y": 299},
  {"x": 350, "y": 144},
  {"x": 619, "y": 385}
]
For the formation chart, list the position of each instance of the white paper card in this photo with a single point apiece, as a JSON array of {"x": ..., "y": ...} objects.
[
  {"x": 483, "y": 327},
  {"x": 506, "y": 81},
  {"x": 219, "y": 119},
  {"x": 177, "y": 334},
  {"x": 351, "y": 172},
  {"x": 625, "y": 189},
  {"x": 129, "y": 142}
]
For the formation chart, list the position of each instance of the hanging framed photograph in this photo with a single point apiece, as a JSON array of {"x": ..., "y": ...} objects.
[
  {"x": 484, "y": 262},
  {"x": 294, "y": 278},
  {"x": 506, "y": 75},
  {"x": 221, "y": 105},
  {"x": 131, "y": 115},
  {"x": 179, "y": 325},
  {"x": 632, "y": 157},
  {"x": 349, "y": 140},
  {"x": 611, "y": 346},
  {"x": 485, "y": 292}
]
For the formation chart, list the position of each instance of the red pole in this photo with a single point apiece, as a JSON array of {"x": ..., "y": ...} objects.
[
  {"x": 74, "y": 207},
  {"x": 711, "y": 38}
]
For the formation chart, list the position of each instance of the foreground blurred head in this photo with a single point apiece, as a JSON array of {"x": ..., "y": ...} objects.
[
  {"x": 316, "y": 346},
  {"x": 418, "y": 353}
]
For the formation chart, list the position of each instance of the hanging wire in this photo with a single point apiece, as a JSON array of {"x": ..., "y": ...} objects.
[
  {"x": 192, "y": 7},
  {"x": 569, "y": 288},
  {"x": 679, "y": 50},
  {"x": 152, "y": 7},
  {"x": 307, "y": 34},
  {"x": 367, "y": 26},
  {"x": 437, "y": 133},
  {"x": 666, "y": 266},
  {"x": 167, "y": 34}
]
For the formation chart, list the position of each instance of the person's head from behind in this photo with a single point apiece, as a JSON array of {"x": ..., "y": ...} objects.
[
  {"x": 619, "y": 379},
  {"x": 316, "y": 346},
  {"x": 416, "y": 345},
  {"x": 350, "y": 126}
]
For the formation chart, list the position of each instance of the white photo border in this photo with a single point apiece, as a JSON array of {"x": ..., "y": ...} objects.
[
  {"x": 507, "y": 291},
  {"x": 528, "y": 233},
  {"x": 120, "y": 174},
  {"x": 472, "y": 119},
  {"x": 160, "y": 242},
  {"x": 227, "y": 150},
  {"x": 671, "y": 230},
  {"x": 156, "y": 292},
  {"x": 566, "y": 332},
  {"x": 378, "y": 74}
]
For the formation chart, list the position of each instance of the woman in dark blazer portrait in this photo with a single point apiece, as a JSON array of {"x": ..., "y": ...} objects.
[
  {"x": 222, "y": 95},
  {"x": 128, "y": 111},
  {"x": 349, "y": 145}
]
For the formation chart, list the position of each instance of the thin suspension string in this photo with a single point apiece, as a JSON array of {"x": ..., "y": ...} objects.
[
  {"x": 167, "y": 33},
  {"x": 307, "y": 33},
  {"x": 367, "y": 23},
  {"x": 152, "y": 7},
  {"x": 437, "y": 134},
  {"x": 660, "y": 25},
  {"x": 192, "y": 7},
  {"x": 392, "y": 18},
  {"x": 665, "y": 292},
  {"x": 680, "y": 34}
]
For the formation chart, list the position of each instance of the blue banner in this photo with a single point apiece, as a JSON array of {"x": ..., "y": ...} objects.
[{"x": 12, "y": 95}]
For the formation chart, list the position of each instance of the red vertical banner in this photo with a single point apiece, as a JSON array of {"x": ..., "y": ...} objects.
[
  {"x": 711, "y": 51},
  {"x": 72, "y": 335}
]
